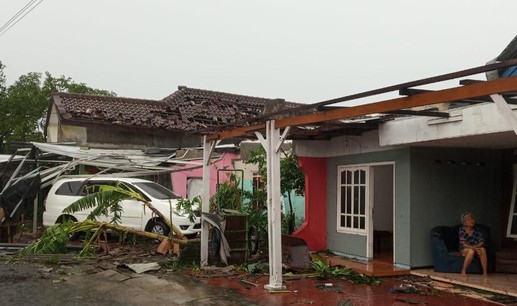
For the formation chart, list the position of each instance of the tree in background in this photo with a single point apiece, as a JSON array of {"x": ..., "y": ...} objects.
[
  {"x": 24, "y": 104},
  {"x": 291, "y": 178}
]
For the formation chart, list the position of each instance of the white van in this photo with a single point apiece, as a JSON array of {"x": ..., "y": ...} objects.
[{"x": 68, "y": 190}]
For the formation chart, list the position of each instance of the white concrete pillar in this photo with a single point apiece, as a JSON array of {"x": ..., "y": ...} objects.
[
  {"x": 208, "y": 147},
  {"x": 274, "y": 207}
]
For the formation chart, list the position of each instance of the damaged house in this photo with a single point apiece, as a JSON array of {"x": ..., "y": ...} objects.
[
  {"x": 381, "y": 175},
  {"x": 114, "y": 122},
  {"x": 170, "y": 127}
]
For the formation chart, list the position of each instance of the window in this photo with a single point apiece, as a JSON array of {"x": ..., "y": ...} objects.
[
  {"x": 70, "y": 188},
  {"x": 352, "y": 197},
  {"x": 258, "y": 182},
  {"x": 157, "y": 191}
]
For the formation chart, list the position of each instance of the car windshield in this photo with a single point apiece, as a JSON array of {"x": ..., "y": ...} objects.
[{"x": 156, "y": 191}]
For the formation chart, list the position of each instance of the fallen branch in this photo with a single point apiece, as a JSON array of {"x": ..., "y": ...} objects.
[
  {"x": 248, "y": 283},
  {"x": 56, "y": 237}
]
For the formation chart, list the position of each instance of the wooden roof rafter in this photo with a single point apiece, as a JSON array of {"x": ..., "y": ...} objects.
[
  {"x": 401, "y": 104},
  {"x": 477, "y": 100}
]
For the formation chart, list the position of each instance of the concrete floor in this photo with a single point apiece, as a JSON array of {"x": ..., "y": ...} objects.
[
  {"x": 382, "y": 266},
  {"x": 497, "y": 282}
]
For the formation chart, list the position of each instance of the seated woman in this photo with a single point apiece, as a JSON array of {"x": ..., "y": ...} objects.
[{"x": 471, "y": 244}]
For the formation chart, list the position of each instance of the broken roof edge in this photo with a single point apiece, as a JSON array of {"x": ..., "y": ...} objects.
[
  {"x": 183, "y": 88},
  {"x": 102, "y": 97},
  {"x": 236, "y": 131}
]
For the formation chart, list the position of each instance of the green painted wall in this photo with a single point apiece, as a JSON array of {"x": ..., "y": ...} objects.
[
  {"x": 297, "y": 200},
  {"x": 433, "y": 186},
  {"x": 356, "y": 244},
  {"x": 446, "y": 182}
]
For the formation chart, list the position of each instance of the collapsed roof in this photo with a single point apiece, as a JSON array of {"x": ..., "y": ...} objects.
[
  {"x": 185, "y": 110},
  {"x": 198, "y": 111}
]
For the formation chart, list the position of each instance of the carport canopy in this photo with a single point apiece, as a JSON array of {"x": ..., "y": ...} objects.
[{"x": 321, "y": 121}]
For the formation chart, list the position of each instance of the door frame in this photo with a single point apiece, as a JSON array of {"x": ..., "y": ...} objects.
[{"x": 371, "y": 201}]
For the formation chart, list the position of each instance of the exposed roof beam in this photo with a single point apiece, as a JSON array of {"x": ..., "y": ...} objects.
[
  {"x": 470, "y": 81},
  {"x": 416, "y": 91},
  {"x": 428, "y": 113},
  {"x": 420, "y": 113},
  {"x": 378, "y": 91},
  {"x": 236, "y": 132},
  {"x": 440, "y": 96}
]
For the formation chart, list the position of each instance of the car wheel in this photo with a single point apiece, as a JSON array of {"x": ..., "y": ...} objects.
[
  {"x": 65, "y": 218},
  {"x": 158, "y": 227},
  {"x": 253, "y": 240},
  {"x": 214, "y": 243}
]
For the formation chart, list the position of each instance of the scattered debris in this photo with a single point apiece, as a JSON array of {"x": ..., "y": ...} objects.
[
  {"x": 248, "y": 283},
  {"x": 441, "y": 284},
  {"x": 504, "y": 299},
  {"x": 112, "y": 275},
  {"x": 404, "y": 288},
  {"x": 211, "y": 271},
  {"x": 279, "y": 291},
  {"x": 292, "y": 276},
  {"x": 295, "y": 252},
  {"x": 257, "y": 268},
  {"x": 144, "y": 267},
  {"x": 329, "y": 287}
]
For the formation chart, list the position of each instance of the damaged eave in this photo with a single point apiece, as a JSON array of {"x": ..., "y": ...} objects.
[
  {"x": 470, "y": 91},
  {"x": 440, "y": 96}
]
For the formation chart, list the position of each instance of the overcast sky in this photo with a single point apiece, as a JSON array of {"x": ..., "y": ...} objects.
[{"x": 302, "y": 51}]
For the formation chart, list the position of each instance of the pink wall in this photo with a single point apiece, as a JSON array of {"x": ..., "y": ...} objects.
[
  {"x": 314, "y": 229},
  {"x": 179, "y": 179}
]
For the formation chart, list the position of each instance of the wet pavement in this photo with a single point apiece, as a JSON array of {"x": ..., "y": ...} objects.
[
  {"x": 338, "y": 292},
  {"x": 105, "y": 280},
  {"x": 30, "y": 284},
  {"x": 34, "y": 284}
]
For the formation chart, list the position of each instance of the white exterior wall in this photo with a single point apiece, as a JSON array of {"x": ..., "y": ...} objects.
[
  {"x": 473, "y": 121},
  {"x": 53, "y": 126},
  {"x": 340, "y": 146}
]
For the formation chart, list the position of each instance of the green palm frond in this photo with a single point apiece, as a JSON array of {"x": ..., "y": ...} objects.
[
  {"x": 106, "y": 200},
  {"x": 53, "y": 241},
  {"x": 56, "y": 237}
]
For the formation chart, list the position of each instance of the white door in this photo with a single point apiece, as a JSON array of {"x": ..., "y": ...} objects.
[{"x": 354, "y": 210}]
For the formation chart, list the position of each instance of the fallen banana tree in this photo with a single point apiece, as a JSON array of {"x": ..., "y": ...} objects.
[
  {"x": 104, "y": 202},
  {"x": 55, "y": 238}
]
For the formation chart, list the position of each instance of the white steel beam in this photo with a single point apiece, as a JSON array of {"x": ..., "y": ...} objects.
[
  {"x": 274, "y": 207},
  {"x": 282, "y": 138},
  {"x": 505, "y": 111},
  {"x": 208, "y": 147},
  {"x": 261, "y": 139}
]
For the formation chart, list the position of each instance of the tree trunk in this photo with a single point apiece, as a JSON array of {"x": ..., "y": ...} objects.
[
  {"x": 167, "y": 220},
  {"x": 290, "y": 229}
]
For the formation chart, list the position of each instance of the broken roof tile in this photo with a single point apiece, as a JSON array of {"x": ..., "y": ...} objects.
[{"x": 187, "y": 109}]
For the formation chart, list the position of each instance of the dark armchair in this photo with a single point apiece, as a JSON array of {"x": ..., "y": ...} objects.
[{"x": 445, "y": 248}]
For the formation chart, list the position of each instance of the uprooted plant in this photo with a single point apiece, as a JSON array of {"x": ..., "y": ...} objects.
[
  {"x": 104, "y": 202},
  {"x": 325, "y": 271}
]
